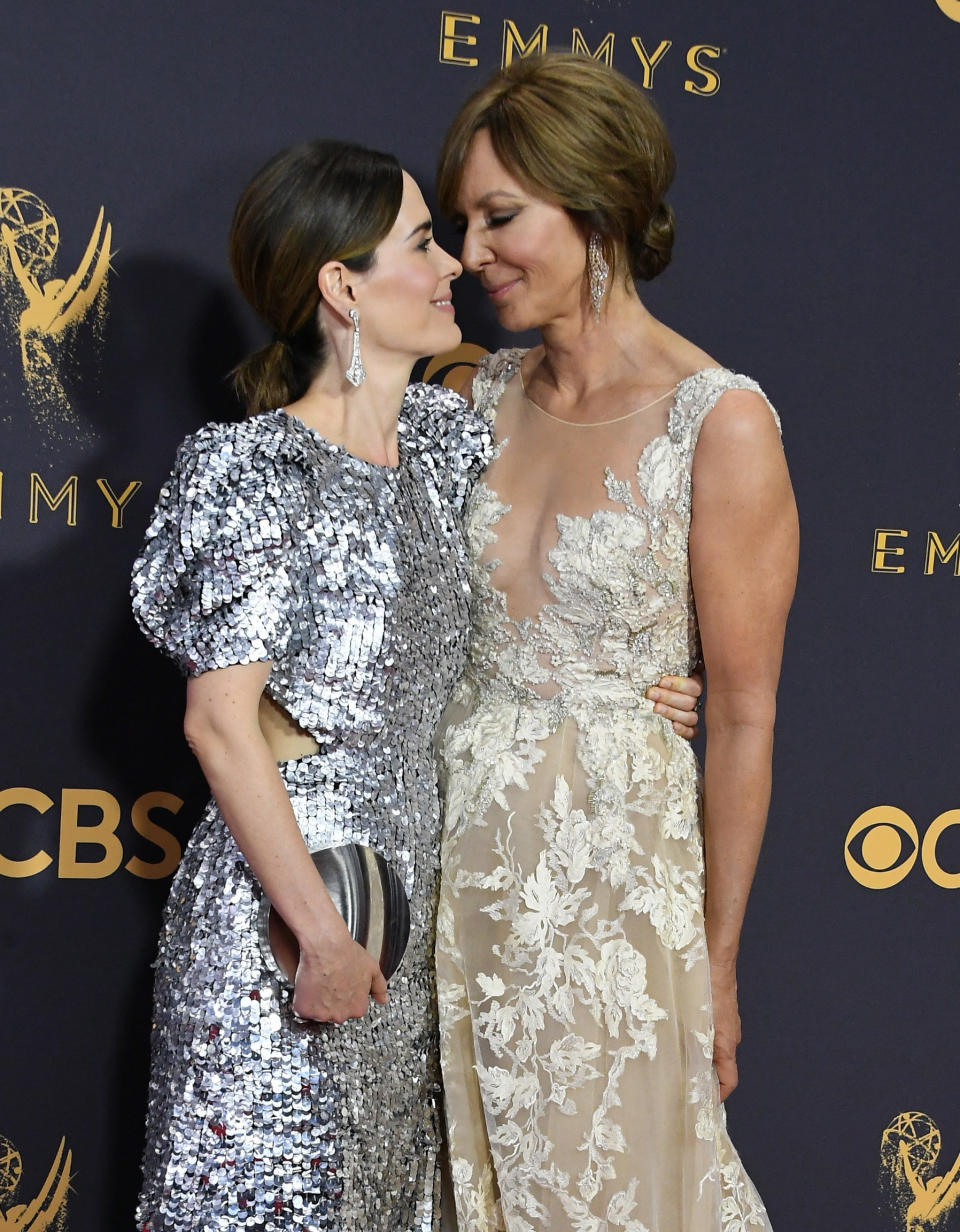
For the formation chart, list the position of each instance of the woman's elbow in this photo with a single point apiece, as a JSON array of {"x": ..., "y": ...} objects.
[
  {"x": 741, "y": 711},
  {"x": 206, "y": 730},
  {"x": 197, "y": 731}
]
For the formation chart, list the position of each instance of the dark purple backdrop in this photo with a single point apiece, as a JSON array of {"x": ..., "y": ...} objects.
[{"x": 817, "y": 209}]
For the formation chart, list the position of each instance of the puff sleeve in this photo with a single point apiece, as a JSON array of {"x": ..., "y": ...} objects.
[
  {"x": 212, "y": 585},
  {"x": 457, "y": 437}
]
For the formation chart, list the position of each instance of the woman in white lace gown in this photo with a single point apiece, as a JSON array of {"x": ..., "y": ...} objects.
[{"x": 590, "y": 908}]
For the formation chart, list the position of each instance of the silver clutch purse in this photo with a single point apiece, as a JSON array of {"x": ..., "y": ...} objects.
[{"x": 369, "y": 895}]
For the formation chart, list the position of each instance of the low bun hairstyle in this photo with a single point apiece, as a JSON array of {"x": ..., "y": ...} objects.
[
  {"x": 312, "y": 203},
  {"x": 580, "y": 135},
  {"x": 650, "y": 254}
]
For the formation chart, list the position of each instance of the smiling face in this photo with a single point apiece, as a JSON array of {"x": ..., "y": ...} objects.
[
  {"x": 527, "y": 252},
  {"x": 403, "y": 300}
]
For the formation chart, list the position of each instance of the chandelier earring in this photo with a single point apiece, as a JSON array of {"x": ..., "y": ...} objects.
[
  {"x": 599, "y": 272},
  {"x": 355, "y": 373}
]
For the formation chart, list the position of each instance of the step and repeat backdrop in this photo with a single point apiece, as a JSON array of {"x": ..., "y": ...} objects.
[{"x": 817, "y": 250}]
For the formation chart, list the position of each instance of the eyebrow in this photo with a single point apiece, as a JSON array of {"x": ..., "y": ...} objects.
[
  {"x": 424, "y": 226},
  {"x": 497, "y": 192}
]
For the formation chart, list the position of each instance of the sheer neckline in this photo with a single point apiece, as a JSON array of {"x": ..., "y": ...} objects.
[{"x": 596, "y": 423}]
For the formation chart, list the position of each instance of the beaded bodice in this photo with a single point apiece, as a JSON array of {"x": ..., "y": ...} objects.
[{"x": 595, "y": 601}]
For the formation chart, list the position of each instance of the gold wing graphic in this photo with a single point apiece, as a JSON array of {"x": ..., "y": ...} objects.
[
  {"x": 38, "y": 1215},
  {"x": 933, "y": 1198},
  {"x": 59, "y": 303}
]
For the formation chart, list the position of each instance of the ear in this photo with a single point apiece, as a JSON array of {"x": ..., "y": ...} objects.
[{"x": 336, "y": 284}]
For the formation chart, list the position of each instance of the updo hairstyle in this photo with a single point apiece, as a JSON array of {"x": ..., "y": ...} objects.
[
  {"x": 580, "y": 135},
  {"x": 312, "y": 203}
]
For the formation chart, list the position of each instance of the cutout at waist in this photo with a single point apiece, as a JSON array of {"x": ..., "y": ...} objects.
[{"x": 285, "y": 738}]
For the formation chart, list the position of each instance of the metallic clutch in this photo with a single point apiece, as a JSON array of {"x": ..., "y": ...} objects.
[{"x": 369, "y": 895}]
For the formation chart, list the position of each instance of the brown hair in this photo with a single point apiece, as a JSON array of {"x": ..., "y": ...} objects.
[
  {"x": 581, "y": 135},
  {"x": 312, "y": 203}
]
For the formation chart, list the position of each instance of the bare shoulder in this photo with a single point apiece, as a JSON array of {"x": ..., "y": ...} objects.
[
  {"x": 739, "y": 464},
  {"x": 740, "y": 417}
]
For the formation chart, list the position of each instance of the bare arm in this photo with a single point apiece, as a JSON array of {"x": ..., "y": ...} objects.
[
  {"x": 336, "y": 976},
  {"x": 743, "y": 560}
]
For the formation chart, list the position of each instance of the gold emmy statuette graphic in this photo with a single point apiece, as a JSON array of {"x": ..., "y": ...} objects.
[
  {"x": 48, "y": 1210},
  {"x": 454, "y": 366},
  {"x": 45, "y": 310},
  {"x": 951, "y": 8},
  {"x": 909, "y": 1150}
]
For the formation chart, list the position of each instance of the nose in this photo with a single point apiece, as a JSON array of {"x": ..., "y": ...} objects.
[
  {"x": 449, "y": 266},
  {"x": 474, "y": 253}
]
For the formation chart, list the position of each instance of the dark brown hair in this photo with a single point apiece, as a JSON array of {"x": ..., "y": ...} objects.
[
  {"x": 312, "y": 203},
  {"x": 580, "y": 135}
]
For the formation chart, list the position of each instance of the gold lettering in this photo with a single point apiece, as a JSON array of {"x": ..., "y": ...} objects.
[
  {"x": 144, "y": 824},
  {"x": 649, "y": 61},
  {"x": 451, "y": 38},
  {"x": 102, "y": 834},
  {"x": 31, "y": 799},
  {"x": 515, "y": 44},
  {"x": 931, "y": 863},
  {"x": 117, "y": 503},
  {"x": 881, "y": 550},
  {"x": 936, "y": 550},
  {"x": 67, "y": 493},
  {"x": 604, "y": 52},
  {"x": 711, "y": 78}
]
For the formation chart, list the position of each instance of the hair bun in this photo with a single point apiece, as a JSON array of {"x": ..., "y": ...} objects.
[{"x": 652, "y": 253}]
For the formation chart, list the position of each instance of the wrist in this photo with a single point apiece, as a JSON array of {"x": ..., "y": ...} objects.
[
  {"x": 324, "y": 936},
  {"x": 723, "y": 964}
]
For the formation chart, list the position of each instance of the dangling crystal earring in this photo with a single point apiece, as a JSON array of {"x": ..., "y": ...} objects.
[
  {"x": 355, "y": 373},
  {"x": 599, "y": 272}
]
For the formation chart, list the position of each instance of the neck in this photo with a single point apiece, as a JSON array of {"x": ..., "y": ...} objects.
[
  {"x": 363, "y": 419},
  {"x": 581, "y": 352}
]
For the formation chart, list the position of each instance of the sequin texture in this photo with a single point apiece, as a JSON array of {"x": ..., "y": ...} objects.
[{"x": 269, "y": 542}]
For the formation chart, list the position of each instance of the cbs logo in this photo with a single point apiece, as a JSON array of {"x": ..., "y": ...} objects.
[{"x": 882, "y": 846}]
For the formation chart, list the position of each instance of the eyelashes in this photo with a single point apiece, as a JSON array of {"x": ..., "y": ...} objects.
[{"x": 492, "y": 220}]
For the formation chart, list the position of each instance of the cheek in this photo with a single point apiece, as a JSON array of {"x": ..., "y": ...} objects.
[
  {"x": 399, "y": 296},
  {"x": 554, "y": 255},
  {"x": 416, "y": 283}
]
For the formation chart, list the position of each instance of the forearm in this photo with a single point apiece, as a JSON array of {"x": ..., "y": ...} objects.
[
  {"x": 246, "y": 783},
  {"x": 736, "y": 799}
]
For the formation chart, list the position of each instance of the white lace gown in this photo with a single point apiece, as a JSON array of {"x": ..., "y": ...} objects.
[{"x": 576, "y": 1025}]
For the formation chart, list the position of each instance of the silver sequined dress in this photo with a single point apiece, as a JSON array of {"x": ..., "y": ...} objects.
[{"x": 269, "y": 542}]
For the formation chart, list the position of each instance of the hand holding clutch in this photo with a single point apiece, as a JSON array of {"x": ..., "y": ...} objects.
[{"x": 370, "y": 897}]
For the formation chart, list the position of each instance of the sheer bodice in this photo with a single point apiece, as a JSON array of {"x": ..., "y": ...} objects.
[{"x": 594, "y": 591}]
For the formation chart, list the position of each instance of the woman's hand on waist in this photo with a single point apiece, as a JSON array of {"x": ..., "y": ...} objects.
[{"x": 677, "y": 698}]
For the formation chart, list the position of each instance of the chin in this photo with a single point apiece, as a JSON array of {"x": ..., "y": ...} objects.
[
  {"x": 516, "y": 321},
  {"x": 447, "y": 339}
]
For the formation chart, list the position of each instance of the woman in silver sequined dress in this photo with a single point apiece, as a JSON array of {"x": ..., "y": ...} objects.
[
  {"x": 590, "y": 912},
  {"x": 306, "y": 570}
]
